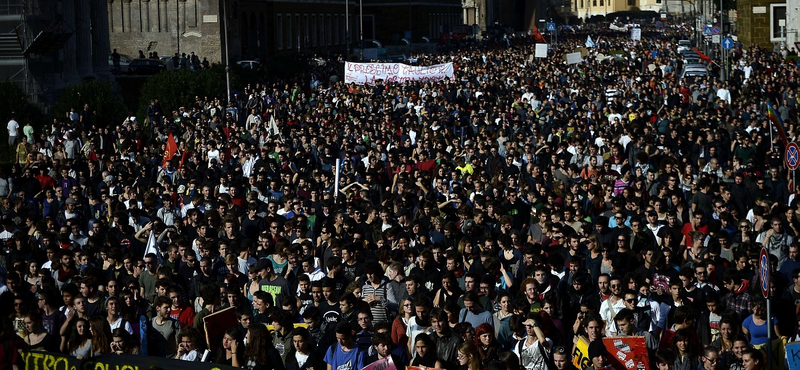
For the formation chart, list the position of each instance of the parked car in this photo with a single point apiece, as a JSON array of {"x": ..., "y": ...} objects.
[
  {"x": 249, "y": 64},
  {"x": 124, "y": 62},
  {"x": 146, "y": 67}
]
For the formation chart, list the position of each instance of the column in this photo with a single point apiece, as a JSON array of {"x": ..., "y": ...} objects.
[
  {"x": 70, "y": 73},
  {"x": 145, "y": 11},
  {"x": 136, "y": 21},
  {"x": 100, "y": 38},
  {"x": 83, "y": 39},
  {"x": 127, "y": 24},
  {"x": 163, "y": 12},
  {"x": 132, "y": 19}
]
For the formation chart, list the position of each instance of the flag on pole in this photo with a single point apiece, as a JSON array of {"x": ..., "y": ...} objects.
[
  {"x": 589, "y": 42},
  {"x": 537, "y": 36},
  {"x": 183, "y": 158},
  {"x": 703, "y": 56},
  {"x": 152, "y": 247},
  {"x": 777, "y": 123},
  {"x": 169, "y": 152}
]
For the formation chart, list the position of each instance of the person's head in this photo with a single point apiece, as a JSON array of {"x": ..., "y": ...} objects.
[
  {"x": 594, "y": 327},
  {"x": 344, "y": 334},
  {"x": 561, "y": 357},
  {"x": 740, "y": 345},
  {"x": 347, "y": 303},
  {"x": 710, "y": 358},
  {"x": 301, "y": 340},
  {"x": 422, "y": 307},
  {"x": 484, "y": 335},
  {"x": 163, "y": 306},
  {"x": 752, "y": 359},
  {"x": 232, "y": 335},
  {"x": 471, "y": 302},
  {"x": 382, "y": 344},
  {"x": 664, "y": 359},
  {"x": 424, "y": 346},
  {"x": 625, "y": 321},
  {"x": 598, "y": 354},
  {"x": 683, "y": 342},
  {"x": 468, "y": 355},
  {"x": 188, "y": 339}
]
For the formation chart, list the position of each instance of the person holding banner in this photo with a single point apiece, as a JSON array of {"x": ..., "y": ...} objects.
[{"x": 382, "y": 345}]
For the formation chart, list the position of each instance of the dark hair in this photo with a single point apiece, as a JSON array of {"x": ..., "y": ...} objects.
[
  {"x": 258, "y": 345},
  {"x": 234, "y": 333}
]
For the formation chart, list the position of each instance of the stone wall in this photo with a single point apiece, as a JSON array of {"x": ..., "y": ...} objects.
[
  {"x": 753, "y": 27},
  {"x": 154, "y": 25}
]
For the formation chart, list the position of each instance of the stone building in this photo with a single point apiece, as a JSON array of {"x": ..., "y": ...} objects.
[
  {"x": 762, "y": 21},
  {"x": 46, "y": 45},
  {"x": 258, "y": 29}
]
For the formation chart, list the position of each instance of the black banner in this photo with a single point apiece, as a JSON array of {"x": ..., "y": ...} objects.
[{"x": 57, "y": 361}]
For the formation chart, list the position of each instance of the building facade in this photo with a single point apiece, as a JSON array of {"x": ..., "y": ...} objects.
[
  {"x": 766, "y": 23},
  {"x": 46, "y": 45},
  {"x": 258, "y": 29}
]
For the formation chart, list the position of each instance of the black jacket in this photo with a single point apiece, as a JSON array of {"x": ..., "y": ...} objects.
[{"x": 314, "y": 361}]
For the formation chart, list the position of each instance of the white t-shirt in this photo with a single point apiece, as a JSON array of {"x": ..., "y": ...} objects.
[
  {"x": 118, "y": 324},
  {"x": 13, "y": 126},
  {"x": 301, "y": 359},
  {"x": 413, "y": 330}
]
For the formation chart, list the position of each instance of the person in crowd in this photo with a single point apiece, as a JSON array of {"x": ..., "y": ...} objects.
[
  {"x": 189, "y": 347},
  {"x": 425, "y": 352},
  {"x": 79, "y": 343},
  {"x": 494, "y": 212},
  {"x": 303, "y": 356},
  {"x": 259, "y": 353},
  {"x": 123, "y": 342}
]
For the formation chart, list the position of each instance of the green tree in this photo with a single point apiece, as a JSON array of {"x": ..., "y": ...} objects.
[
  {"x": 175, "y": 89},
  {"x": 100, "y": 96}
]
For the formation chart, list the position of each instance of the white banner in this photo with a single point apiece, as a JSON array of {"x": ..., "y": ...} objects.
[
  {"x": 574, "y": 58},
  {"x": 369, "y": 73},
  {"x": 541, "y": 50}
]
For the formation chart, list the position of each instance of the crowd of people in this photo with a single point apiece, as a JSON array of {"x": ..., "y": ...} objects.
[{"x": 487, "y": 221}]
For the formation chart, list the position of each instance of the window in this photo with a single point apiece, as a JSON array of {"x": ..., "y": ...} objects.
[
  {"x": 306, "y": 34},
  {"x": 289, "y": 31},
  {"x": 314, "y": 30},
  {"x": 777, "y": 16},
  {"x": 333, "y": 30},
  {"x": 279, "y": 33}
]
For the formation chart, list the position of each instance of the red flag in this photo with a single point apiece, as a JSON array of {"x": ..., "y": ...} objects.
[
  {"x": 537, "y": 36},
  {"x": 183, "y": 158},
  {"x": 169, "y": 152},
  {"x": 703, "y": 56}
]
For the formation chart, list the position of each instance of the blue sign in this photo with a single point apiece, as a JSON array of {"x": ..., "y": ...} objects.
[
  {"x": 707, "y": 30},
  {"x": 727, "y": 43},
  {"x": 715, "y": 30},
  {"x": 551, "y": 27},
  {"x": 793, "y": 355}
]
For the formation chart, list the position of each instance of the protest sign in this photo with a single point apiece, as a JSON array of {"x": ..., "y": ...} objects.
[
  {"x": 541, "y": 50},
  {"x": 580, "y": 356},
  {"x": 385, "y": 363},
  {"x": 628, "y": 353},
  {"x": 370, "y": 73},
  {"x": 215, "y": 325},
  {"x": 574, "y": 58},
  {"x": 793, "y": 355},
  {"x": 34, "y": 360}
]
